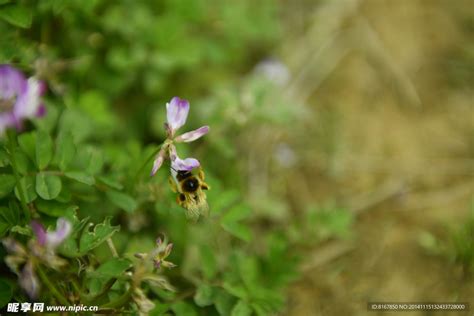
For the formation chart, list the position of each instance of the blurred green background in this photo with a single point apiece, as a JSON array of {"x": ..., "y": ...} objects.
[{"x": 342, "y": 136}]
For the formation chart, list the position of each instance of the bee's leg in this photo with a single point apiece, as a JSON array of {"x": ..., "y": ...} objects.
[
  {"x": 180, "y": 199},
  {"x": 201, "y": 174},
  {"x": 173, "y": 186}
]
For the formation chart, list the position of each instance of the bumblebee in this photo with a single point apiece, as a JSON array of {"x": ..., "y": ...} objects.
[{"x": 190, "y": 189}]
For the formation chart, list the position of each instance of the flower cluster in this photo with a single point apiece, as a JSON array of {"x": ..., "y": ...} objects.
[
  {"x": 176, "y": 114},
  {"x": 40, "y": 250},
  {"x": 20, "y": 98}
]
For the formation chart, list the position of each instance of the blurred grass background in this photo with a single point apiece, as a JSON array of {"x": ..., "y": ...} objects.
[{"x": 345, "y": 126}]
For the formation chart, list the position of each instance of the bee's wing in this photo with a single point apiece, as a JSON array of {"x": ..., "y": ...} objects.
[{"x": 192, "y": 213}]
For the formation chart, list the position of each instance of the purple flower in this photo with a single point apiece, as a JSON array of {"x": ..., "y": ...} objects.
[
  {"x": 176, "y": 114},
  {"x": 20, "y": 98},
  {"x": 177, "y": 163},
  {"x": 41, "y": 250},
  {"x": 160, "y": 253},
  {"x": 53, "y": 239}
]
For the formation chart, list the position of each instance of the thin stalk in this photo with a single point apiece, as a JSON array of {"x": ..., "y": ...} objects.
[
  {"x": 51, "y": 287},
  {"x": 111, "y": 245},
  {"x": 149, "y": 159},
  {"x": 120, "y": 301}
]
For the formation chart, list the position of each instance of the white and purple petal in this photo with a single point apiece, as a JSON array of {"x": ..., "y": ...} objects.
[
  {"x": 40, "y": 232},
  {"x": 193, "y": 135},
  {"x": 29, "y": 104},
  {"x": 177, "y": 112},
  {"x": 187, "y": 164},
  {"x": 63, "y": 229},
  {"x": 158, "y": 161},
  {"x": 29, "y": 281},
  {"x": 12, "y": 82}
]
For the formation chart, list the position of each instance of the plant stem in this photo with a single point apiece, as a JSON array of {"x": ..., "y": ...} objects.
[
  {"x": 120, "y": 301},
  {"x": 105, "y": 290},
  {"x": 51, "y": 287},
  {"x": 111, "y": 245},
  {"x": 139, "y": 172},
  {"x": 12, "y": 149}
]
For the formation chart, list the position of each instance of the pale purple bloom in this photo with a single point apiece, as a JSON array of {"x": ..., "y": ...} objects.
[
  {"x": 176, "y": 114},
  {"x": 160, "y": 253},
  {"x": 20, "y": 98},
  {"x": 41, "y": 250},
  {"x": 29, "y": 281},
  {"x": 193, "y": 135},
  {"x": 177, "y": 163},
  {"x": 54, "y": 238}
]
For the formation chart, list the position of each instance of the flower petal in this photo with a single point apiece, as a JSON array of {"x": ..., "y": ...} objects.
[
  {"x": 29, "y": 103},
  {"x": 177, "y": 112},
  {"x": 193, "y": 135},
  {"x": 39, "y": 231},
  {"x": 187, "y": 164},
  {"x": 13, "y": 246},
  {"x": 158, "y": 161},
  {"x": 12, "y": 82},
  {"x": 29, "y": 281},
  {"x": 63, "y": 229}
]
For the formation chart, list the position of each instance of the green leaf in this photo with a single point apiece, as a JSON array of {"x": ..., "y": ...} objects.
[
  {"x": 111, "y": 182},
  {"x": 204, "y": 295},
  {"x": 236, "y": 290},
  {"x": 224, "y": 302},
  {"x": 27, "y": 183},
  {"x": 16, "y": 14},
  {"x": 7, "y": 183},
  {"x": 241, "y": 309},
  {"x": 122, "y": 200},
  {"x": 70, "y": 247},
  {"x": 115, "y": 267},
  {"x": 90, "y": 159},
  {"x": 183, "y": 308},
  {"x": 160, "y": 309},
  {"x": 27, "y": 142},
  {"x": 23, "y": 230},
  {"x": 92, "y": 239},
  {"x": 9, "y": 217},
  {"x": 4, "y": 160},
  {"x": 44, "y": 149},
  {"x": 55, "y": 209},
  {"x": 48, "y": 186},
  {"x": 238, "y": 230},
  {"x": 6, "y": 292},
  {"x": 81, "y": 177},
  {"x": 65, "y": 150},
  {"x": 23, "y": 164}
]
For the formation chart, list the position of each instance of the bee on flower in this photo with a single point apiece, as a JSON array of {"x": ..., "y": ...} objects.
[
  {"x": 187, "y": 177},
  {"x": 23, "y": 261}
]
